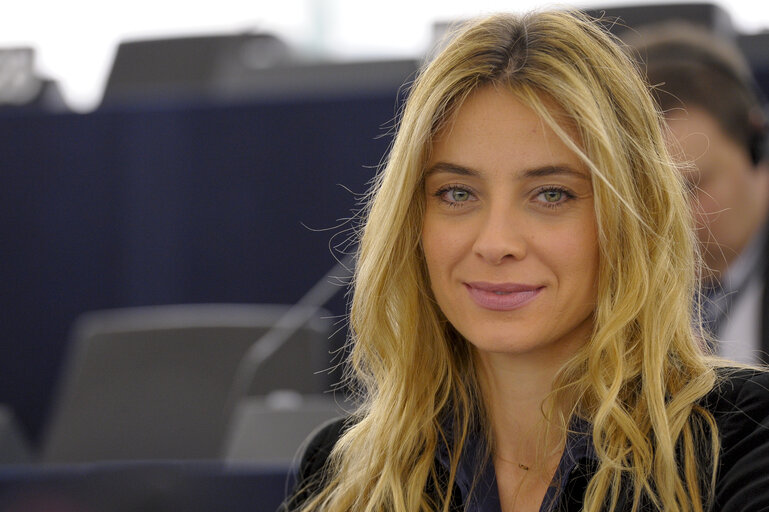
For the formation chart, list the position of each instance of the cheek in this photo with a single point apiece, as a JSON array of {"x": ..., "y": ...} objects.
[
  {"x": 711, "y": 206},
  {"x": 576, "y": 256},
  {"x": 578, "y": 246},
  {"x": 441, "y": 243},
  {"x": 705, "y": 212},
  {"x": 433, "y": 247},
  {"x": 704, "y": 203}
]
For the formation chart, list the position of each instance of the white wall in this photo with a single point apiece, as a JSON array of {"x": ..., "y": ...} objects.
[{"x": 75, "y": 40}]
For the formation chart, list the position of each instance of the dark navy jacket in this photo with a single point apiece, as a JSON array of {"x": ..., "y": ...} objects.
[{"x": 739, "y": 403}]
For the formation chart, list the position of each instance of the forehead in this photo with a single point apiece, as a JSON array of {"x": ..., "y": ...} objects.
[{"x": 495, "y": 129}]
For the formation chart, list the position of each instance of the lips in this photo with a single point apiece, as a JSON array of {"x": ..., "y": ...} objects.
[{"x": 502, "y": 296}]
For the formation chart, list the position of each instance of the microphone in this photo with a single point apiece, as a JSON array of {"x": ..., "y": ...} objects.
[{"x": 287, "y": 325}]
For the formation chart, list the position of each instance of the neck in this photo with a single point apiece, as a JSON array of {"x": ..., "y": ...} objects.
[{"x": 515, "y": 390}]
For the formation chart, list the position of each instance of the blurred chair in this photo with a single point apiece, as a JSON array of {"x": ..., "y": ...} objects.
[
  {"x": 240, "y": 67},
  {"x": 13, "y": 444},
  {"x": 155, "y": 382},
  {"x": 187, "y": 68},
  {"x": 272, "y": 429}
]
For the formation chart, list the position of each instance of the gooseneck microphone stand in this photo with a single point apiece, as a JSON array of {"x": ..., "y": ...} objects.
[{"x": 294, "y": 319}]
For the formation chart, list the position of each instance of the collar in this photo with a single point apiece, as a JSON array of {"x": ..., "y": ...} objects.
[{"x": 476, "y": 478}]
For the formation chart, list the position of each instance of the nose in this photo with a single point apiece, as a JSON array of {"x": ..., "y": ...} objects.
[{"x": 500, "y": 236}]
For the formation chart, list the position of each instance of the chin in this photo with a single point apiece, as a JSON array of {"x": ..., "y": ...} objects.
[
  {"x": 555, "y": 346},
  {"x": 513, "y": 345}
]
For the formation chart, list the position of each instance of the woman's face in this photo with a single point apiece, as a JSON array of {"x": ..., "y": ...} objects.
[{"x": 509, "y": 232}]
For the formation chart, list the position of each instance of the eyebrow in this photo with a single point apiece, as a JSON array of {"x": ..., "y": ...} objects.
[
  {"x": 537, "y": 172},
  {"x": 445, "y": 167}
]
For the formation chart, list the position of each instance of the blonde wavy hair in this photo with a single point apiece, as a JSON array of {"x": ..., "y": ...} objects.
[{"x": 637, "y": 381}]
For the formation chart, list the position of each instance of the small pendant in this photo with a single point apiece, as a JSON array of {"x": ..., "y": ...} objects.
[{"x": 523, "y": 466}]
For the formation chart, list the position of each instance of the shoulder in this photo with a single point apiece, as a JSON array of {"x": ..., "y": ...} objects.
[
  {"x": 319, "y": 445},
  {"x": 740, "y": 405},
  {"x": 311, "y": 474},
  {"x": 739, "y": 398}
]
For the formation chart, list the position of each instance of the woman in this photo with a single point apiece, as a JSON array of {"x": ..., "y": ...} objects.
[{"x": 522, "y": 299}]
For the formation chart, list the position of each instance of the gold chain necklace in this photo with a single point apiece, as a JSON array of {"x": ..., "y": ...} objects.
[{"x": 522, "y": 466}]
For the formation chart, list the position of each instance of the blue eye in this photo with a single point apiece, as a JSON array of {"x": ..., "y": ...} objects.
[
  {"x": 454, "y": 195},
  {"x": 553, "y": 197},
  {"x": 458, "y": 195}
]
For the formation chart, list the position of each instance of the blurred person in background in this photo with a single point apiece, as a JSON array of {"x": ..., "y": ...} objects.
[{"x": 716, "y": 115}]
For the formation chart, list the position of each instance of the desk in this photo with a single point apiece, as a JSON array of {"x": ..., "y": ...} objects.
[{"x": 138, "y": 486}]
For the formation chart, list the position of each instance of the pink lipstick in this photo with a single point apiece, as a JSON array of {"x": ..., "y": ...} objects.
[{"x": 501, "y": 296}]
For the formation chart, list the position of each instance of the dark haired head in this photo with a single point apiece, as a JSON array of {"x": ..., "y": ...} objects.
[{"x": 691, "y": 67}]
